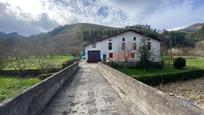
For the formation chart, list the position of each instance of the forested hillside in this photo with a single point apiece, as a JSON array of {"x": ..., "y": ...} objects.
[
  {"x": 197, "y": 35},
  {"x": 192, "y": 28},
  {"x": 186, "y": 37},
  {"x": 69, "y": 39}
]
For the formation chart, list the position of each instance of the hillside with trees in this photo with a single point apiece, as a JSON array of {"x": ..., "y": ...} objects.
[{"x": 69, "y": 39}]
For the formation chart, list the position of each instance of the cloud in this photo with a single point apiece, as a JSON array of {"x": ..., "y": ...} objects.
[
  {"x": 31, "y": 17},
  {"x": 22, "y": 22}
]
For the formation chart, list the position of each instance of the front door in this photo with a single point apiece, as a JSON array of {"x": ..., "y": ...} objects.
[{"x": 104, "y": 57}]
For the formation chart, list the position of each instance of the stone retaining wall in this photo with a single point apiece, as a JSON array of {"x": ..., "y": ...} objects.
[
  {"x": 149, "y": 100},
  {"x": 33, "y": 100}
]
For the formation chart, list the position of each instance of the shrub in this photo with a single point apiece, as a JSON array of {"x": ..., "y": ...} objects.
[
  {"x": 150, "y": 65},
  {"x": 179, "y": 63},
  {"x": 2, "y": 64},
  {"x": 69, "y": 62},
  {"x": 114, "y": 64},
  {"x": 44, "y": 76},
  {"x": 132, "y": 64},
  {"x": 154, "y": 80}
]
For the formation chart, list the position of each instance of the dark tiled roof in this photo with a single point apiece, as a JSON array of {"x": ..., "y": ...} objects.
[{"x": 128, "y": 30}]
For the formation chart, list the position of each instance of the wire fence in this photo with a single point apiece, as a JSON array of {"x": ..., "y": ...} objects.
[{"x": 191, "y": 61}]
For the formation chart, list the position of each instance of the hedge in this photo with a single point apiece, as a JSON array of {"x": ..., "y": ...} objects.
[
  {"x": 28, "y": 72},
  {"x": 69, "y": 62},
  {"x": 132, "y": 64},
  {"x": 171, "y": 77}
]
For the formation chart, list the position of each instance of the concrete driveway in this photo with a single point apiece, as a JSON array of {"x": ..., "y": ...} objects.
[{"x": 88, "y": 94}]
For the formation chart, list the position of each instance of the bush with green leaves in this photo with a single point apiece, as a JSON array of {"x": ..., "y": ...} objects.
[
  {"x": 2, "y": 64},
  {"x": 154, "y": 80},
  {"x": 179, "y": 63},
  {"x": 69, "y": 62}
]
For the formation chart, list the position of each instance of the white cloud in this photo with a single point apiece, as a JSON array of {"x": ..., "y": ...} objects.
[{"x": 43, "y": 15}]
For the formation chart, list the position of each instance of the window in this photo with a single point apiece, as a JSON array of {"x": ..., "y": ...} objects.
[
  {"x": 110, "y": 40},
  {"x": 132, "y": 55},
  {"x": 123, "y": 39},
  {"x": 110, "y": 46},
  {"x": 134, "y": 46},
  {"x": 149, "y": 45},
  {"x": 110, "y": 55},
  {"x": 134, "y": 38},
  {"x": 94, "y": 45},
  {"x": 123, "y": 46}
]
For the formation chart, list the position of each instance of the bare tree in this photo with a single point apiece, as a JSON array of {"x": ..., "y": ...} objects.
[
  {"x": 144, "y": 52},
  {"x": 126, "y": 49}
]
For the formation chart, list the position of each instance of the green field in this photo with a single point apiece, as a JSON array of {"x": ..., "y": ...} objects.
[
  {"x": 11, "y": 85},
  {"x": 36, "y": 62}
]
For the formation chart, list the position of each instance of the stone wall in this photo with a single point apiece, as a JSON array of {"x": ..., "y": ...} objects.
[
  {"x": 33, "y": 100},
  {"x": 149, "y": 100}
]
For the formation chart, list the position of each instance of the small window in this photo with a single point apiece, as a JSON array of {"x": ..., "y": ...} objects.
[
  {"x": 123, "y": 46},
  {"x": 110, "y": 40},
  {"x": 110, "y": 46},
  {"x": 134, "y": 46},
  {"x": 132, "y": 55},
  {"x": 149, "y": 45},
  {"x": 123, "y": 39},
  {"x": 134, "y": 38},
  {"x": 149, "y": 39},
  {"x": 94, "y": 45},
  {"x": 110, "y": 55}
]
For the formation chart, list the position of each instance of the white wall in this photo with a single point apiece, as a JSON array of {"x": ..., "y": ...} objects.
[{"x": 117, "y": 45}]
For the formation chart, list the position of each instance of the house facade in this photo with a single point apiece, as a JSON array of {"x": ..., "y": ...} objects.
[{"x": 120, "y": 47}]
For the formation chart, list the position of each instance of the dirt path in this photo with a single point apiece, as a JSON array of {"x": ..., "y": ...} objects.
[
  {"x": 88, "y": 94},
  {"x": 191, "y": 91}
]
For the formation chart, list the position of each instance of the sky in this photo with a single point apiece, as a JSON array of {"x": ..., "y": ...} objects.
[{"x": 34, "y": 16}]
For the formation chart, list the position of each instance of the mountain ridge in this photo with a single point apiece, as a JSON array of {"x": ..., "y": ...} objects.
[{"x": 192, "y": 28}]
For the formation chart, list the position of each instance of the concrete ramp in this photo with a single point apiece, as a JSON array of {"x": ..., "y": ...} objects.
[
  {"x": 98, "y": 89},
  {"x": 148, "y": 99},
  {"x": 90, "y": 94}
]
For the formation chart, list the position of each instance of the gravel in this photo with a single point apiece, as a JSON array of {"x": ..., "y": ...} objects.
[{"x": 191, "y": 91}]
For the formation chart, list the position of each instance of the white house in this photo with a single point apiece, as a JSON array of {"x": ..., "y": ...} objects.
[{"x": 124, "y": 45}]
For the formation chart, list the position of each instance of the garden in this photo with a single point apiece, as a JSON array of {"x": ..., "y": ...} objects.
[{"x": 34, "y": 62}]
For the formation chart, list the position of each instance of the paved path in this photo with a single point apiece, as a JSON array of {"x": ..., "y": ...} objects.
[{"x": 88, "y": 94}]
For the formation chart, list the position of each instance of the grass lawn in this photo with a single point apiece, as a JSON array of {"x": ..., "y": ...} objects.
[
  {"x": 197, "y": 62},
  {"x": 167, "y": 74},
  {"x": 191, "y": 61},
  {"x": 34, "y": 62},
  {"x": 194, "y": 68},
  {"x": 12, "y": 85}
]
